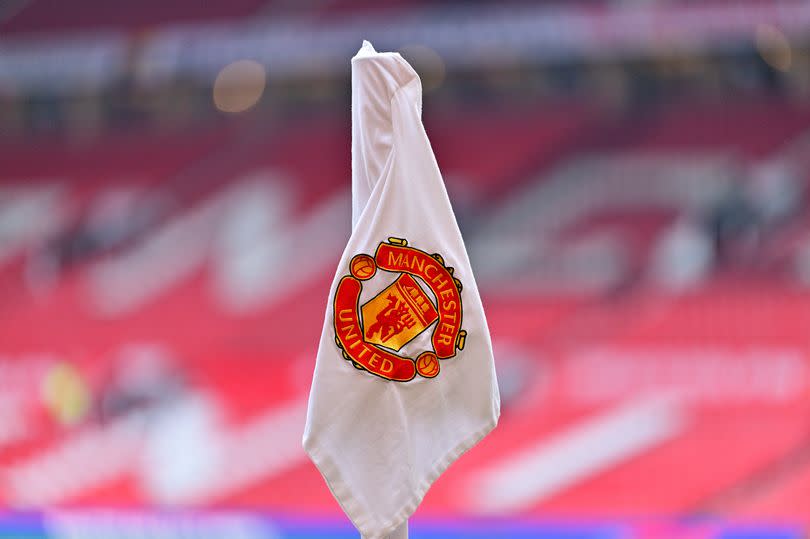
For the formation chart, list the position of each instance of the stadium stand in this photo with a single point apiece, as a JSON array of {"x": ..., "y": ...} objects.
[{"x": 651, "y": 339}]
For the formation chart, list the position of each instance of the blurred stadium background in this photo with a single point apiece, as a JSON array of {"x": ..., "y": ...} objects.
[{"x": 631, "y": 179}]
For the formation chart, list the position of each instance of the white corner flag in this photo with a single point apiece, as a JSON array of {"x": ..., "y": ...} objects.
[{"x": 404, "y": 381}]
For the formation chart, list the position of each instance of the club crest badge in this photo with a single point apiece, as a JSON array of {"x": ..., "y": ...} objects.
[{"x": 423, "y": 294}]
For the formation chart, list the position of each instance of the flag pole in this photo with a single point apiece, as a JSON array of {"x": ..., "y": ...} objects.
[{"x": 401, "y": 532}]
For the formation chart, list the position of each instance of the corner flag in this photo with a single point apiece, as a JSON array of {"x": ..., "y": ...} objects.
[{"x": 404, "y": 380}]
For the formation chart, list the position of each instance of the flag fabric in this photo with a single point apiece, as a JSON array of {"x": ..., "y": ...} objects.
[{"x": 404, "y": 379}]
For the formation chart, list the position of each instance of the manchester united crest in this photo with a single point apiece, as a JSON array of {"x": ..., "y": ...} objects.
[{"x": 422, "y": 295}]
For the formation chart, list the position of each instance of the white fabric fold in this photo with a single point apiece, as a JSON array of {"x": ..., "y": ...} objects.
[{"x": 378, "y": 442}]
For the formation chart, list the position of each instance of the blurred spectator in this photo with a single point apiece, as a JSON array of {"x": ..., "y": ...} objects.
[
  {"x": 683, "y": 256},
  {"x": 734, "y": 224},
  {"x": 118, "y": 217},
  {"x": 144, "y": 378},
  {"x": 775, "y": 191}
]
